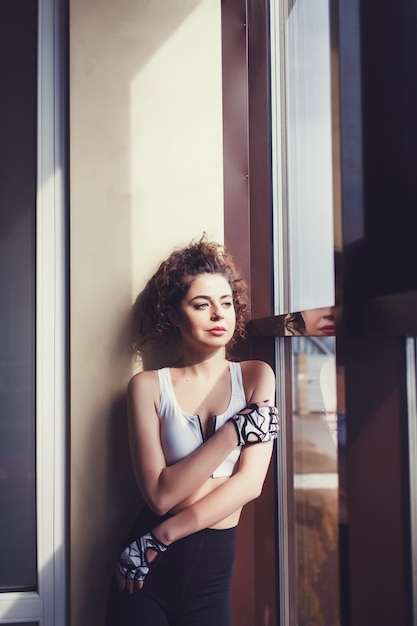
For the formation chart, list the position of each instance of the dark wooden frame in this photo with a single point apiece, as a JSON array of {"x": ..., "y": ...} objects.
[{"x": 248, "y": 233}]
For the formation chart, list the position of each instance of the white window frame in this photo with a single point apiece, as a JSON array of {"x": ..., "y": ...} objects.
[
  {"x": 411, "y": 360},
  {"x": 48, "y": 606}
]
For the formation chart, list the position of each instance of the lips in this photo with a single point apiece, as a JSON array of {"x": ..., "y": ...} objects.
[
  {"x": 327, "y": 330},
  {"x": 217, "y": 331}
]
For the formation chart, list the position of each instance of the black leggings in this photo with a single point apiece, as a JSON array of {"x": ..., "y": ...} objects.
[{"x": 188, "y": 586}]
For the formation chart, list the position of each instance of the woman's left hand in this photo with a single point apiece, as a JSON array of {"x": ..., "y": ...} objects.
[{"x": 256, "y": 423}]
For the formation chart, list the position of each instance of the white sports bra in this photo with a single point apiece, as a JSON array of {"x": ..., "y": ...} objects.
[{"x": 182, "y": 433}]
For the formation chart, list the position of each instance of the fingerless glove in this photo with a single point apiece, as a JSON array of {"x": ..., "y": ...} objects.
[
  {"x": 133, "y": 563},
  {"x": 255, "y": 424}
]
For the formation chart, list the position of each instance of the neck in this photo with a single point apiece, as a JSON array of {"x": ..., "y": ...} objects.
[{"x": 198, "y": 361}]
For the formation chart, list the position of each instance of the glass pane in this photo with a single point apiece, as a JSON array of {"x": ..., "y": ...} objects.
[
  {"x": 305, "y": 196},
  {"x": 18, "y": 71},
  {"x": 315, "y": 481},
  {"x": 310, "y": 155}
]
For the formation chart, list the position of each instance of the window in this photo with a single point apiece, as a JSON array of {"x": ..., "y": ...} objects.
[
  {"x": 375, "y": 351},
  {"x": 18, "y": 39},
  {"x": 302, "y": 171},
  {"x": 32, "y": 315},
  {"x": 315, "y": 480},
  {"x": 302, "y": 175}
]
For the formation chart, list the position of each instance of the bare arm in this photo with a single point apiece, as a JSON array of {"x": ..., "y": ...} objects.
[
  {"x": 230, "y": 496},
  {"x": 162, "y": 486},
  {"x": 241, "y": 488}
]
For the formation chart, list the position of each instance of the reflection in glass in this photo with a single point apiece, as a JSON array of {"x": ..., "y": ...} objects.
[
  {"x": 315, "y": 481},
  {"x": 323, "y": 322},
  {"x": 315, "y": 322},
  {"x": 18, "y": 69}
]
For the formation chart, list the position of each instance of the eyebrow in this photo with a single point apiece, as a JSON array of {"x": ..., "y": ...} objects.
[{"x": 209, "y": 297}]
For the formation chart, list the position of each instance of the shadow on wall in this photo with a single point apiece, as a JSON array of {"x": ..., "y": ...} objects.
[
  {"x": 153, "y": 354},
  {"x": 120, "y": 477}
]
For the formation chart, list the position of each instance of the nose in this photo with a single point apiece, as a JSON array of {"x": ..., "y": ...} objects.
[{"x": 216, "y": 312}]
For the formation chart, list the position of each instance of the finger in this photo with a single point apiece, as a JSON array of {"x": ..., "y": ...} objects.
[
  {"x": 121, "y": 580},
  {"x": 130, "y": 585}
]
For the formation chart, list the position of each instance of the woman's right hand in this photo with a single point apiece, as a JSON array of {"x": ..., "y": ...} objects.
[
  {"x": 134, "y": 561},
  {"x": 256, "y": 424}
]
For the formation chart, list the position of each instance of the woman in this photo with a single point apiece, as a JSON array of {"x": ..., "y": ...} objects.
[{"x": 191, "y": 429}]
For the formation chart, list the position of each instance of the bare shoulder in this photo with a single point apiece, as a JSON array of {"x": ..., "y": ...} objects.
[
  {"x": 143, "y": 381},
  {"x": 258, "y": 380},
  {"x": 257, "y": 369}
]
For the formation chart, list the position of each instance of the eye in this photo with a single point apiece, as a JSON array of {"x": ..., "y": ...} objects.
[
  {"x": 200, "y": 305},
  {"x": 227, "y": 304}
]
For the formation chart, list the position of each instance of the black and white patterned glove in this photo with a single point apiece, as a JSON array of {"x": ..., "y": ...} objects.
[
  {"x": 255, "y": 424},
  {"x": 133, "y": 563}
]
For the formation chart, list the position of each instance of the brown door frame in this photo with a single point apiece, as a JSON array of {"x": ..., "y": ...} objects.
[{"x": 248, "y": 233}]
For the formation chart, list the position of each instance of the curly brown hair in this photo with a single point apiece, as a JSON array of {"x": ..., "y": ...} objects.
[
  {"x": 294, "y": 324},
  {"x": 168, "y": 286}
]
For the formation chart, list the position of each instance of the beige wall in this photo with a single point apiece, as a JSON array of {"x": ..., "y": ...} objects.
[{"x": 146, "y": 176}]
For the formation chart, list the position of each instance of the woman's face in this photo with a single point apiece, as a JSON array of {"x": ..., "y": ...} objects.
[
  {"x": 206, "y": 316},
  {"x": 319, "y": 321}
]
